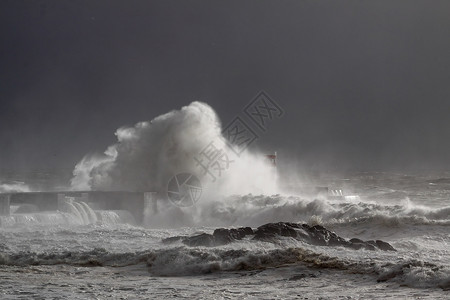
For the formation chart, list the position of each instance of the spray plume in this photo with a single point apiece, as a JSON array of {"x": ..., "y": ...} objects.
[{"x": 147, "y": 155}]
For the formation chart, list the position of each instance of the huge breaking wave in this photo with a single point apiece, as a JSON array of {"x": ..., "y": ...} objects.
[{"x": 148, "y": 154}]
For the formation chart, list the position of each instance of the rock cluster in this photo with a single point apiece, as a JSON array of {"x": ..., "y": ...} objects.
[{"x": 314, "y": 235}]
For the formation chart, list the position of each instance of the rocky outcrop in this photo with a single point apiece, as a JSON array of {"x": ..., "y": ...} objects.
[
  {"x": 221, "y": 236},
  {"x": 271, "y": 232},
  {"x": 224, "y": 236}
]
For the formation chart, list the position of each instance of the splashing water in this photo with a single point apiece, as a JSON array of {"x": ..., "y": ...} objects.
[
  {"x": 12, "y": 187},
  {"x": 147, "y": 155}
]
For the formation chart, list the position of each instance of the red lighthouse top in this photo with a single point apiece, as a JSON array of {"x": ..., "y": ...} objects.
[{"x": 272, "y": 158}]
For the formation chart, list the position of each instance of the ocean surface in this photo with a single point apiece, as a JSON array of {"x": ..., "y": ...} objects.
[{"x": 93, "y": 254}]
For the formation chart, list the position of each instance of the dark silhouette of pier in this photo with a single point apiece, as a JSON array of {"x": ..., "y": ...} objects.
[{"x": 134, "y": 202}]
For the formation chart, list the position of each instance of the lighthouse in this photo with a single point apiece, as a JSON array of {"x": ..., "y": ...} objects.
[{"x": 272, "y": 159}]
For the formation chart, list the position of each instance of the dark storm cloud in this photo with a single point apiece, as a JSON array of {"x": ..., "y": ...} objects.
[{"x": 364, "y": 83}]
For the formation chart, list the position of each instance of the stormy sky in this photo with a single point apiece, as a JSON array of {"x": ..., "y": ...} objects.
[{"x": 365, "y": 85}]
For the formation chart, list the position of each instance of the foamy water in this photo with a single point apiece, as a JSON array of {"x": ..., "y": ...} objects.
[
  {"x": 81, "y": 252},
  {"x": 71, "y": 255}
]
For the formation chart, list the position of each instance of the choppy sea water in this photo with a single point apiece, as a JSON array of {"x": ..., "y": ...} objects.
[{"x": 72, "y": 256}]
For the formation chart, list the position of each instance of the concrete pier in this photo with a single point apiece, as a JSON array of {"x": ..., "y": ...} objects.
[
  {"x": 137, "y": 203},
  {"x": 4, "y": 204}
]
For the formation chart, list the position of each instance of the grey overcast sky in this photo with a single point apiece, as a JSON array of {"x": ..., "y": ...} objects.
[{"x": 365, "y": 84}]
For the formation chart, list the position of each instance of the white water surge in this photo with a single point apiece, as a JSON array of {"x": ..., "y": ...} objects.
[
  {"x": 147, "y": 155},
  {"x": 71, "y": 213},
  {"x": 79, "y": 252}
]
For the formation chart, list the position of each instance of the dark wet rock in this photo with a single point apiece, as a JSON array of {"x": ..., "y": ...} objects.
[
  {"x": 271, "y": 232},
  {"x": 203, "y": 239},
  {"x": 173, "y": 239},
  {"x": 302, "y": 276},
  {"x": 356, "y": 246},
  {"x": 384, "y": 246},
  {"x": 223, "y": 236},
  {"x": 321, "y": 236},
  {"x": 360, "y": 244},
  {"x": 380, "y": 245},
  {"x": 316, "y": 235},
  {"x": 243, "y": 231},
  {"x": 355, "y": 240}
]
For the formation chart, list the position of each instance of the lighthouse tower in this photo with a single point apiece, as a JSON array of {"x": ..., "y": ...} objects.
[{"x": 272, "y": 159}]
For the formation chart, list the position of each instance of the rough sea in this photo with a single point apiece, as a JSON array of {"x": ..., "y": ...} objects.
[{"x": 97, "y": 254}]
